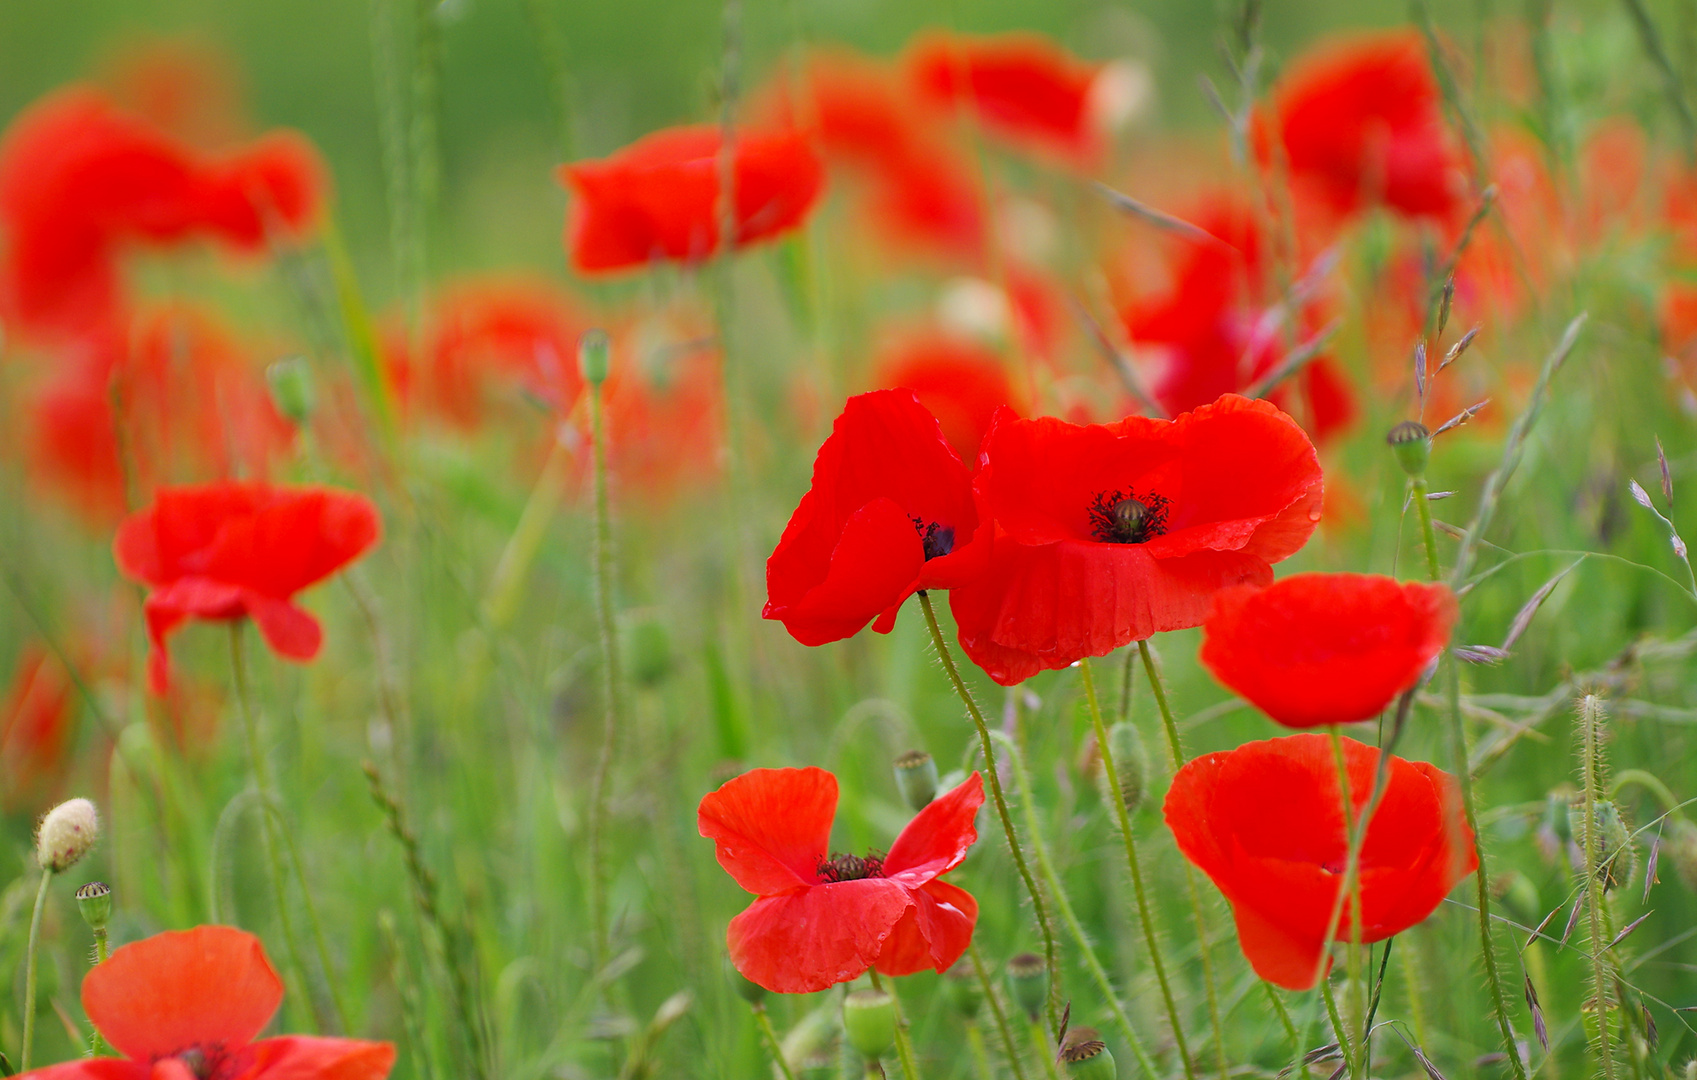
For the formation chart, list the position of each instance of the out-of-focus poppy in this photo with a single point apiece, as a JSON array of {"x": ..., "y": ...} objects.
[
  {"x": 37, "y": 731},
  {"x": 959, "y": 381},
  {"x": 1326, "y": 648},
  {"x": 658, "y": 198},
  {"x": 185, "y": 86},
  {"x": 1361, "y": 125},
  {"x": 80, "y": 181},
  {"x": 191, "y": 1003},
  {"x": 890, "y": 512},
  {"x": 1108, "y": 533},
  {"x": 232, "y": 550},
  {"x": 665, "y": 416},
  {"x": 1265, "y": 822},
  {"x": 824, "y": 918}
]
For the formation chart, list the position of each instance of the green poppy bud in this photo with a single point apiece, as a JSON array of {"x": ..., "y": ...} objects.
[
  {"x": 962, "y": 990},
  {"x": 592, "y": 362},
  {"x": 1613, "y": 843},
  {"x": 94, "y": 900},
  {"x": 869, "y": 1021},
  {"x": 649, "y": 646},
  {"x": 292, "y": 391},
  {"x": 1028, "y": 982},
  {"x": 1412, "y": 444},
  {"x": 1088, "y": 1059},
  {"x": 916, "y": 777},
  {"x": 1131, "y": 765}
]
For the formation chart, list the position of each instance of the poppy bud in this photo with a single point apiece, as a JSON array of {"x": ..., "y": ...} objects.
[
  {"x": 1412, "y": 444},
  {"x": 94, "y": 900},
  {"x": 292, "y": 392},
  {"x": 1088, "y": 1059},
  {"x": 916, "y": 777},
  {"x": 1613, "y": 844},
  {"x": 869, "y": 1021},
  {"x": 1680, "y": 845},
  {"x": 592, "y": 360},
  {"x": 1028, "y": 981},
  {"x": 1131, "y": 765},
  {"x": 747, "y": 989},
  {"x": 962, "y": 990},
  {"x": 66, "y": 834},
  {"x": 649, "y": 647}
]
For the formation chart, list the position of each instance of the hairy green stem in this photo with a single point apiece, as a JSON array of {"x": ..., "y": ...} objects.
[
  {"x": 1146, "y": 921},
  {"x": 980, "y": 1052},
  {"x": 904, "y": 1046},
  {"x": 29, "y": 970},
  {"x": 1340, "y": 1030},
  {"x": 610, "y": 685},
  {"x": 102, "y": 949},
  {"x": 1038, "y": 907},
  {"x": 1040, "y": 1042},
  {"x": 1352, "y": 886},
  {"x": 1589, "y": 757},
  {"x": 773, "y": 1046},
  {"x": 1428, "y": 536},
  {"x": 1010, "y": 1049}
]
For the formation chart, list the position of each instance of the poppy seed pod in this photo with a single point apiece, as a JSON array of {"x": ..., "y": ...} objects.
[
  {"x": 916, "y": 777},
  {"x": 1028, "y": 982},
  {"x": 1131, "y": 765},
  {"x": 292, "y": 391},
  {"x": 66, "y": 834},
  {"x": 869, "y": 1021},
  {"x": 592, "y": 362},
  {"x": 1412, "y": 444},
  {"x": 1088, "y": 1059},
  {"x": 962, "y": 990},
  {"x": 1614, "y": 851},
  {"x": 94, "y": 900}
]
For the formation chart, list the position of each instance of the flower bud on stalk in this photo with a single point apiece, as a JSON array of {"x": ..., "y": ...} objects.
[
  {"x": 94, "y": 901},
  {"x": 66, "y": 834},
  {"x": 1412, "y": 444},
  {"x": 1088, "y": 1059},
  {"x": 962, "y": 991},
  {"x": 1028, "y": 982},
  {"x": 749, "y": 990},
  {"x": 1131, "y": 765},
  {"x": 869, "y": 1021},
  {"x": 292, "y": 391},
  {"x": 1614, "y": 844},
  {"x": 592, "y": 360},
  {"x": 916, "y": 777}
]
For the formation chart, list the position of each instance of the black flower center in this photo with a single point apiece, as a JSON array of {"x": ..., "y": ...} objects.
[
  {"x": 1125, "y": 517},
  {"x": 937, "y": 538},
  {"x": 851, "y": 867}
]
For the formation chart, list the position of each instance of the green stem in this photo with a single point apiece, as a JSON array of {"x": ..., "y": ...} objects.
[
  {"x": 1040, "y": 1042},
  {"x": 1010, "y": 1049},
  {"x": 1038, "y": 907},
  {"x": 904, "y": 1047},
  {"x": 1649, "y": 782},
  {"x": 96, "y": 1044},
  {"x": 980, "y": 1053},
  {"x": 609, "y": 684},
  {"x": 1340, "y": 1031},
  {"x": 1289, "y": 1026},
  {"x": 1353, "y": 885},
  {"x": 1593, "y": 902},
  {"x": 1428, "y": 535},
  {"x": 1194, "y": 894},
  {"x": 775, "y": 1047},
  {"x": 29, "y": 970},
  {"x": 1143, "y": 916}
]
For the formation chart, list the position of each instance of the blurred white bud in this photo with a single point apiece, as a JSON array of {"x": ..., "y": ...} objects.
[
  {"x": 66, "y": 834},
  {"x": 1028, "y": 230},
  {"x": 973, "y": 307},
  {"x": 1120, "y": 95}
]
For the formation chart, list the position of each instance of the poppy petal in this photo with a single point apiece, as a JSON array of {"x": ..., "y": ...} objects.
[
  {"x": 168, "y": 608},
  {"x": 104, "y": 1068},
  {"x": 933, "y": 933},
  {"x": 299, "y": 1057},
  {"x": 182, "y": 988},
  {"x": 814, "y": 938},
  {"x": 771, "y": 827},
  {"x": 1277, "y": 955},
  {"x": 289, "y": 629},
  {"x": 935, "y": 841},
  {"x": 876, "y": 561}
]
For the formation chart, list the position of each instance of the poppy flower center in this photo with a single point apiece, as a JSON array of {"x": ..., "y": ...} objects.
[
  {"x": 937, "y": 538},
  {"x": 1125, "y": 517},
  {"x": 196, "y": 1061},
  {"x": 851, "y": 867}
]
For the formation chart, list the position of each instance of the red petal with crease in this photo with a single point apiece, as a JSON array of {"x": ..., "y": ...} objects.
[
  {"x": 771, "y": 827},
  {"x": 292, "y": 632},
  {"x": 814, "y": 938},
  {"x": 935, "y": 841},
  {"x": 300, "y": 1057},
  {"x": 933, "y": 933},
  {"x": 93, "y": 1069}
]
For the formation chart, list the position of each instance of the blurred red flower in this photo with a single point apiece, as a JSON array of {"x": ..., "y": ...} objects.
[
  {"x": 1107, "y": 533},
  {"x": 228, "y": 550},
  {"x": 959, "y": 381},
  {"x": 821, "y": 918},
  {"x": 1266, "y": 825},
  {"x": 890, "y": 512},
  {"x": 1361, "y": 125},
  {"x": 664, "y": 417},
  {"x": 189, "y": 1003},
  {"x": 1326, "y": 648},
  {"x": 37, "y": 731},
  {"x": 1216, "y": 330},
  {"x": 81, "y": 181},
  {"x": 658, "y": 198}
]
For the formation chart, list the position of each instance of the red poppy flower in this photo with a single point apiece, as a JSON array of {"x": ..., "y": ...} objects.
[
  {"x": 822, "y": 918},
  {"x": 1023, "y": 87},
  {"x": 959, "y": 381},
  {"x": 224, "y": 551},
  {"x": 80, "y": 181},
  {"x": 660, "y": 417},
  {"x": 1361, "y": 125},
  {"x": 1108, "y": 533},
  {"x": 659, "y": 196},
  {"x": 1326, "y": 648},
  {"x": 890, "y": 512},
  {"x": 187, "y": 1005},
  {"x": 1266, "y": 825},
  {"x": 37, "y": 729}
]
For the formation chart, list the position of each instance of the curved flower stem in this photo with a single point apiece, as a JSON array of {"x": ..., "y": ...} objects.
[
  {"x": 610, "y": 685},
  {"x": 980, "y": 1052},
  {"x": 1590, "y": 758},
  {"x": 1063, "y": 905},
  {"x": 1038, "y": 907},
  {"x": 1284, "y": 1019},
  {"x": 29, "y": 970},
  {"x": 1428, "y": 536},
  {"x": 775, "y": 1047},
  {"x": 1009, "y": 1048},
  {"x": 1649, "y": 782},
  {"x": 102, "y": 949},
  {"x": 904, "y": 1047},
  {"x": 1040, "y": 1042},
  {"x": 1340, "y": 1031},
  {"x": 1143, "y": 916},
  {"x": 1194, "y": 893}
]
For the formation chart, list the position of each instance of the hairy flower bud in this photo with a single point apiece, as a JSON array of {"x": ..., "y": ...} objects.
[
  {"x": 1614, "y": 851},
  {"x": 1028, "y": 982},
  {"x": 292, "y": 391},
  {"x": 869, "y": 1021},
  {"x": 94, "y": 900},
  {"x": 1412, "y": 444},
  {"x": 916, "y": 777},
  {"x": 592, "y": 362},
  {"x": 66, "y": 834},
  {"x": 1131, "y": 765}
]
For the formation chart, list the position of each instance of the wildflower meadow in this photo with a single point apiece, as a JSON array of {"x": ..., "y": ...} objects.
[{"x": 988, "y": 540}]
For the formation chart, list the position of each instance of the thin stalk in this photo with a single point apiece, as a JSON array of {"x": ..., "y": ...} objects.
[
  {"x": 1428, "y": 536},
  {"x": 29, "y": 970},
  {"x": 1143, "y": 916},
  {"x": 1010, "y": 1049},
  {"x": 1353, "y": 885},
  {"x": 1191, "y": 889},
  {"x": 904, "y": 1047},
  {"x": 1040, "y": 1042},
  {"x": 1038, "y": 907},
  {"x": 1593, "y": 901},
  {"x": 102, "y": 949},
  {"x": 1063, "y": 905},
  {"x": 773, "y": 1046},
  {"x": 610, "y": 684},
  {"x": 1340, "y": 1030},
  {"x": 1289, "y": 1026},
  {"x": 980, "y": 1053}
]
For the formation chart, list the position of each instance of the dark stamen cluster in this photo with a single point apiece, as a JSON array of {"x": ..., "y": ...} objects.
[
  {"x": 937, "y": 538},
  {"x": 1125, "y": 517},
  {"x": 851, "y": 867}
]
